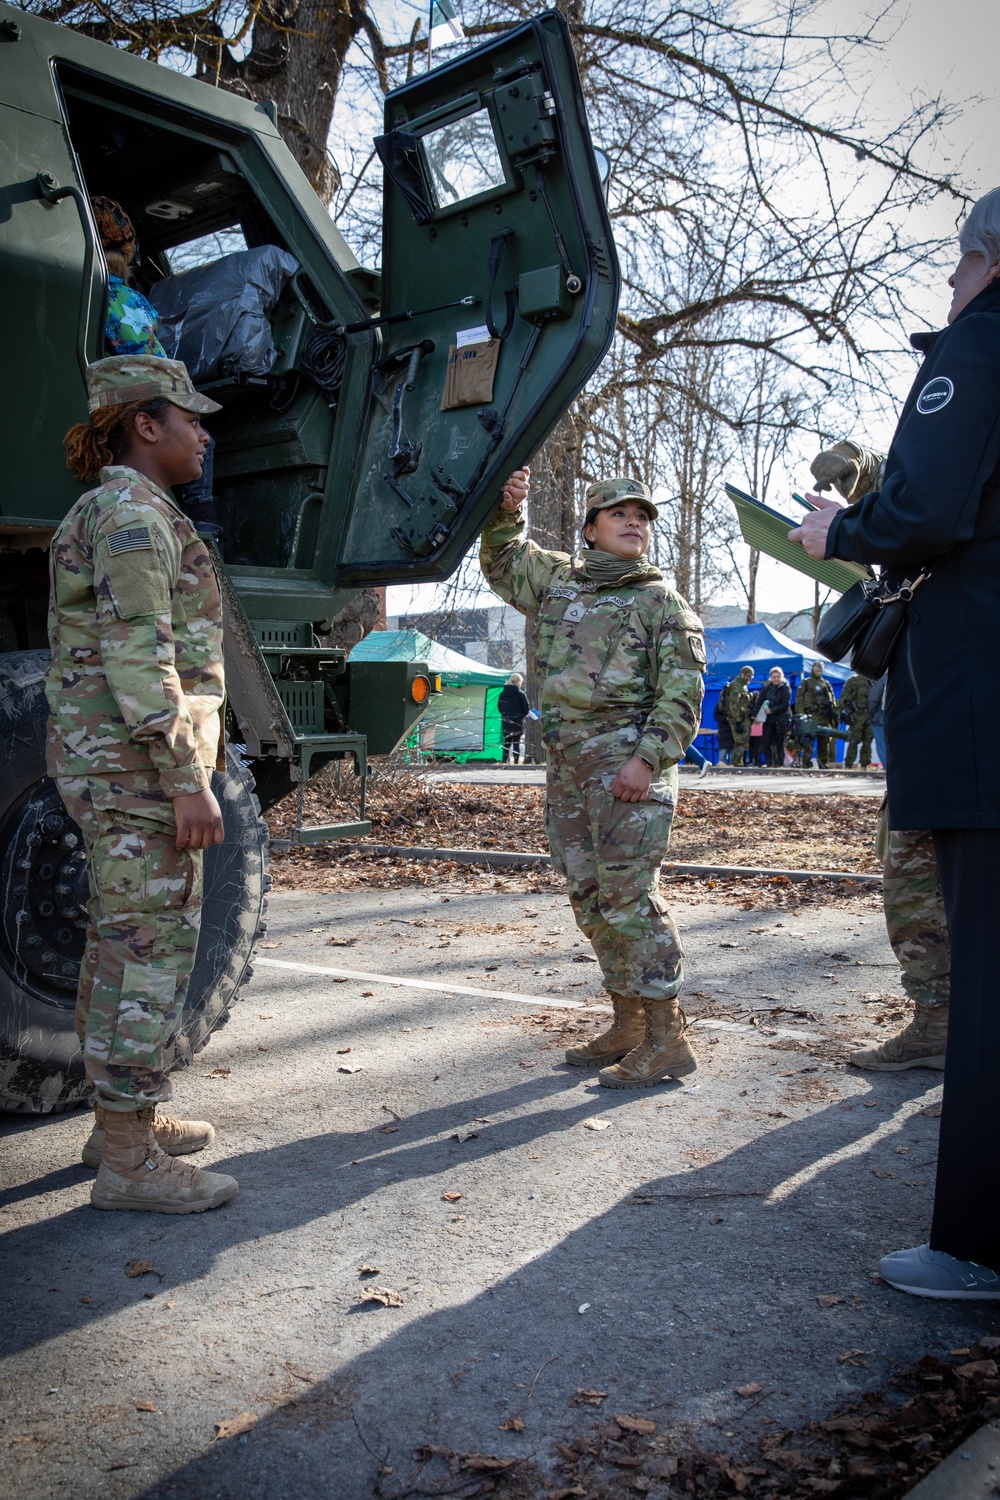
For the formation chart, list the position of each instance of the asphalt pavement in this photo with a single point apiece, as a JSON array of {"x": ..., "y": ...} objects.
[{"x": 393, "y": 1099}]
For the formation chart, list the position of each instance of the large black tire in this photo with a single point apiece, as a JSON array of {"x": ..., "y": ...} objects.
[{"x": 42, "y": 889}]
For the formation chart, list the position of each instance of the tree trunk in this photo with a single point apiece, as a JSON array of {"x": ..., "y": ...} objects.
[
  {"x": 752, "y": 586},
  {"x": 554, "y": 524}
]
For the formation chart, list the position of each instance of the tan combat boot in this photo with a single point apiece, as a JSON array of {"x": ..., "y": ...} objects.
[
  {"x": 175, "y": 1137},
  {"x": 663, "y": 1053},
  {"x": 135, "y": 1174},
  {"x": 919, "y": 1045},
  {"x": 624, "y": 1033}
]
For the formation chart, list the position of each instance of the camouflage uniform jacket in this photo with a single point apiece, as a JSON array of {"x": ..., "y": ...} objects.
[
  {"x": 854, "y": 698},
  {"x": 739, "y": 704},
  {"x": 817, "y": 700},
  {"x": 623, "y": 656},
  {"x": 135, "y": 626}
]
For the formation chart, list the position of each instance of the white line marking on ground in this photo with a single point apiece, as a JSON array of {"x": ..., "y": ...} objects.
[
  {"x": 856, "y": 1148},
  {"x": 427, "y": 984}
]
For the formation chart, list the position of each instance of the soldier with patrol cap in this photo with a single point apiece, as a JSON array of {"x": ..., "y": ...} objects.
[
  {"x": 622, "y": 658},
  {"x": 136, "y": 698},
  {"x": 739, "y": 711}
]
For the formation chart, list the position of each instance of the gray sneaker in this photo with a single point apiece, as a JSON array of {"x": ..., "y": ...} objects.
[{"x": 924, "y": 1272}]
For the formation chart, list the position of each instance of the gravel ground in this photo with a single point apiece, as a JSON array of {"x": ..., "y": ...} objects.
[{"x": 543, "y": 1236}]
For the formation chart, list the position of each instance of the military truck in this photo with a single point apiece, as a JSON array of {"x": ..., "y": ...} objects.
[{"x": 368, "y": 448}]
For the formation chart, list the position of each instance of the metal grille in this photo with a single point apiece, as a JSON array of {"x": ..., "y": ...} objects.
[
  {"x": 303, "y": 703},
  {"x": 283, "y": 632}
]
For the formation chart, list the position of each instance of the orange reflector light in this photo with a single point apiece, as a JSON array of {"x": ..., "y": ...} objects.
[{"x": 420, "y": 689}]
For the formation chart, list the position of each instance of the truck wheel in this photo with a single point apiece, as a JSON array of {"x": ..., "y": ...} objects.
[{"x": 43, "y": 890}]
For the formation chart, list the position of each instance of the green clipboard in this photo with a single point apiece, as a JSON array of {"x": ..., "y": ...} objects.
[{"x": 767, "y": 530}]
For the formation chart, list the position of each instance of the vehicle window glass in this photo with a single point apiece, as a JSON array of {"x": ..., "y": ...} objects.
[
  {"x": 209, "y": 247},
  {"x": 462, "y": 159}
]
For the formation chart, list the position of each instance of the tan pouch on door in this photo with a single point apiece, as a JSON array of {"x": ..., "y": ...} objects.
[{"x": 469, "y": 378}]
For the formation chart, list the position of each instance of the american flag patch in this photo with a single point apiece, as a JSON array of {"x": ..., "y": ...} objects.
[{"x": 130, "y": 539}]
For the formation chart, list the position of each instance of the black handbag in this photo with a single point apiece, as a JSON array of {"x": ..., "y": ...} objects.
[{"x": 866, "y": 623}]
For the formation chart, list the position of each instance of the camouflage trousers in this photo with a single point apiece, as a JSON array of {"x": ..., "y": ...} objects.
[
  {"x": 741, "y": 741},
  {"x": 861, "y": 739},
  {"x": 914, "y": 912},
  {"x": 610, "y": 853},
  {"x": 142, "y": 936}
]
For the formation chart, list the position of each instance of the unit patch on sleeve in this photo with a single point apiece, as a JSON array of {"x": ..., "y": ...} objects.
[{"x": 130, "y": 539}]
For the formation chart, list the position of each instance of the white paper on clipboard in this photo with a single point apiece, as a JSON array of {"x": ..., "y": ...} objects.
[{"x": 464, "y": 336}]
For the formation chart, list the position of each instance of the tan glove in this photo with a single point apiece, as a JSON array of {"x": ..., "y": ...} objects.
[{"x": 854, "y": 471}]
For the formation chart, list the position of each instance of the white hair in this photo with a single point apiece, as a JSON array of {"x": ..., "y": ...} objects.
[
  {"x": 515, "y": 678},
  {"x": 980, "y": 234},
  {"x": 779, "y": 672}
]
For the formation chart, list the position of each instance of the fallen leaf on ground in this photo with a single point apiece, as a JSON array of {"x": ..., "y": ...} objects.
[
  {"x": 340, "y": 978},
  {"x": 367, "y": 994},
  {"x": 265, "y": 1018},
  {"x": 384, "y": 1296},
  {"x": 585, "y": 1397},
  {"x": 86, "y": 1299},
  {"x": 145, "y": 1406},
  {"x": 512, "y": 1424},
  {"x": 661, "y": 1468},
  {"x": 641, "y": 1425},
  {"x": 368, "y": 1270},
  {"x": 932, "y": 1111},
  {"x": 451, "y": 1197},
  {"x": 350, "y": 1068},
  {"x": 342, "y": 1050},
  {"x": 527, "y": 1063},
  {"x": 850, "y": 1355},
  {"x": 138, "y": 1268},
  {"x": 233, "y": 1426},
  {"x": 985, "y": 1367},
  {"x": 388, "y": 1129},
  {"x": 880, "y": 1172},
  {"x": 829, "y": 1301},
  {"x": 464, "y": 1133},
  {"x": 583, "y": 958},
  {"x": 596, "y": 1124},
  {"x": 336, "y": 942},
  {"x": 219, "y": 1073},
  {"x": 753, "y": 1389}
]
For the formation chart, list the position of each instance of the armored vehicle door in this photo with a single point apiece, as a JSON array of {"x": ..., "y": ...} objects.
[{"x": 498, "y": 298}]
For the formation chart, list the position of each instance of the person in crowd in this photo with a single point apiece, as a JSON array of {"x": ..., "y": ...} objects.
[
  {"x": 876, "y": 716},
  {"x": 514, "y": 709},
  {"x": 131, "y": 328},
  {"x": 912, "y": 902},
  {"x": 853, "y": 707},
  {"x": 739, "y": 711},
  {"x": 776, "y": 697},
  {"x": 816, "y": 700},
  {"x": 694, "y": 757},
  {"x": 937, "y": 514},
  {"x": 721, "y": 717},
  {"x": 622, "y": 660},
  {"x": 136, "y": 699}
]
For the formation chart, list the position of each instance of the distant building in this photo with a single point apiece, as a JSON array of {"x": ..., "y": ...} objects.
[{"x": 494, "y": 636}]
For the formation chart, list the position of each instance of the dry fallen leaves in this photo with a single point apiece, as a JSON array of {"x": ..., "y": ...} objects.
[
  {"x": 829, "y": 1301},
  {"x": 585, "y": 1397},
  {"x": 853, "y": 1357},
  {"x": 383, "y": 1296},
  {"x": 752, "y": 1389},
  {"x": 932, "y": 1111},
  {"x": 139, "y": 1268},
  {"x": 451, "y": 1197},
  {"x": 512, "y": 1424},
  {"x": 368, "y": 1270},
  {"x": 642, "y": 1425},
  {"x": 464, "y": 1133},
  {"x": 219, "y": 1073},
  {"x": 350, "y": 1068},
  {"x": 145, "y": 1406},
  {"x": 234, "y": 1426},
  {"x": 596, "y": 1124}
]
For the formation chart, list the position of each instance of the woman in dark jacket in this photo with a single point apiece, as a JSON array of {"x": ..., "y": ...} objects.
[
  {"x": 777, "y": 694},
  {"x": 939, "y": 510}
]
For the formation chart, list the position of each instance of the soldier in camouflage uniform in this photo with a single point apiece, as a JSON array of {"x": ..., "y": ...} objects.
[
  {"x": 816, "y": 699},
  {"x": 854, "y": 713},
  {"x": 739, "y": 711},
  {"x": 622, "y": 658},
  {"x": 136, "y": 696},
  {"x": 911, "y": 891}
]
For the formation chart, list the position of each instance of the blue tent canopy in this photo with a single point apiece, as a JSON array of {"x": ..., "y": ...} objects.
[{"x": 730, "y": 647}]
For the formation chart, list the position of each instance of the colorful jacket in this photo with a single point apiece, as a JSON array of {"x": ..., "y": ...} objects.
[
  {"x": 135, "y": 626},
  {"x": 623, "y": 656},
  {"x": 131, "y": 322}
]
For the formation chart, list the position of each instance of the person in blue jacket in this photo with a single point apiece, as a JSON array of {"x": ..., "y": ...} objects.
[{"x": 938, "y": 512}]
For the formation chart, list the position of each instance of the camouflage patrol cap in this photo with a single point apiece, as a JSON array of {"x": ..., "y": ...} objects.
[
  {"x": 608, "y": 492},
  {"x": 143, "y": 377},
  {"x": 746, "y": 672}
]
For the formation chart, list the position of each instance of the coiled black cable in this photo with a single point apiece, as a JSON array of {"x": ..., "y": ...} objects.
[{"x": 323, "y": 360}]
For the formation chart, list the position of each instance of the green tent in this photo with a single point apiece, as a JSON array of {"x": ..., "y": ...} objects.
[{"x": 462, "y": 721}]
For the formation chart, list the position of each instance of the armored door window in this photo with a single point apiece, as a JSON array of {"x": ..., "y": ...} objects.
[{"x": 462, "y": 159}]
